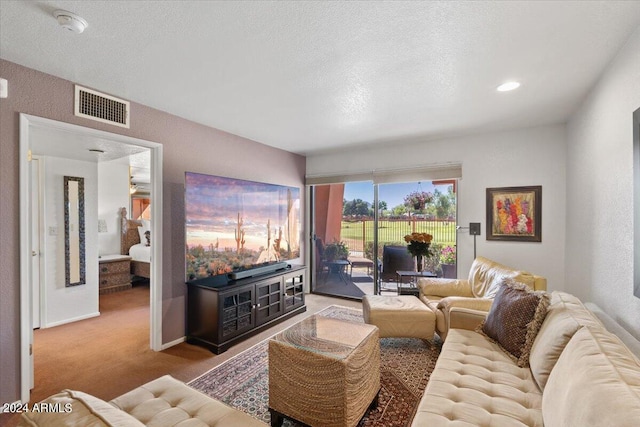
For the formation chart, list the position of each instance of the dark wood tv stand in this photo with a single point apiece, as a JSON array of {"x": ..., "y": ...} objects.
[{"x": 222, "y": 312}]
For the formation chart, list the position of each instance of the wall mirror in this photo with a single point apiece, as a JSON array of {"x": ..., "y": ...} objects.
[
  {"x": 636, "y": 202},
  {"x": 74, "y": 243}
]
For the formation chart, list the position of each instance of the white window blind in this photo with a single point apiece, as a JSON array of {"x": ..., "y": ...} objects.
[
  {"x": 387, "y": 176},
  {"x": 338, "y": 179},
  {"x": 429, "y": 173}
]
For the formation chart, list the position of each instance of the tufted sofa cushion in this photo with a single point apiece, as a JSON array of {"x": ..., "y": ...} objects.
[
  {"x": 75, "y": 408},
  {"x": 596, "y": 382},
  {"x": 169, "y": 402},
  {"x": 161, "y": 402},
  {"x": 476, "y": 383}
]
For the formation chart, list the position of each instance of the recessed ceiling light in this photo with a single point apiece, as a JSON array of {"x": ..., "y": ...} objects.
[
  {"x": 70, "y": 21},
  {"x": 506, "y": 87}
]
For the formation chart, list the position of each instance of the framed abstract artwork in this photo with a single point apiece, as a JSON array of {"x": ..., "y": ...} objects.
[{"x": 514, "y": 214}]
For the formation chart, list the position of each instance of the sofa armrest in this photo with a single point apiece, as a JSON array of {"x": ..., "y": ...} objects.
[
  {"x": 539, "y": 283},
  {"x": 444, "y": 287},
  {"x": 465, "y": 318},
  {"x": 478, "y": 304}
]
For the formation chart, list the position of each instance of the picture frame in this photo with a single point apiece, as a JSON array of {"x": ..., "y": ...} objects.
[{"x": 514, "y": 214}]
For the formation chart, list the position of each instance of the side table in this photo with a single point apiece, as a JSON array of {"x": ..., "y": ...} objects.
[
  {"x": 114, "y": 273},
  {"x": 412, "y": 275},
  {"x": 324, "y": 372}
]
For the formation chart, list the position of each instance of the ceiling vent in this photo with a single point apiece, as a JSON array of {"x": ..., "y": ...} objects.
[{"x": 101, "y": 107}]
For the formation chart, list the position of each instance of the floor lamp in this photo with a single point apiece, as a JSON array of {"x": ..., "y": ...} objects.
[{"x": 474, "y": 230}]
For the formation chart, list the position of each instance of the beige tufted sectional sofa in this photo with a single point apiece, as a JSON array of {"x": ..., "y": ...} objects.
[
  {"x": 580, "y": 375},
  {"x": 162, "y": 402}
]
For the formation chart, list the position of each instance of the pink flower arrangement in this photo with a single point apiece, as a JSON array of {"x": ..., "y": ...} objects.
[{"x": 448, "y": 255}]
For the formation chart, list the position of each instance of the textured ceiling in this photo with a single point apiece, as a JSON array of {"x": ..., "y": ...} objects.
[{"x": 307, "y": 76}]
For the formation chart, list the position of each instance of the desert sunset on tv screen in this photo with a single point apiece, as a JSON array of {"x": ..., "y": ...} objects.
[{"x": 233, "y": 224}]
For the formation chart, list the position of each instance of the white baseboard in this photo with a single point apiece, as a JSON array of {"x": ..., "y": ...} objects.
[
  {"x": 74, "y": 319},
  {"x": 172, "y": 343}
]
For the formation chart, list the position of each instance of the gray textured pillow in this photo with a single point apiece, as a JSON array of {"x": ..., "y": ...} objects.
[{"x": 515, "y": 318}]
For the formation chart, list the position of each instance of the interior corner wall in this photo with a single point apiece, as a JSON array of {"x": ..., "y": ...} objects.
[
  {"x": 599, "y": 248},
  {"x": 187, "y": 146},
  {"x": 68, "y": 304},
  {"x": 113, "y": 194},
  {"x": 534, "y": 156}
]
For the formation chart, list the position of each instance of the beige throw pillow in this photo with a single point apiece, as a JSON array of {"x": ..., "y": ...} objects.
[
  {"x": 515, "y": 318},
  {"x": 596, "y": 382},
  {"x": 565, "y": 316}
]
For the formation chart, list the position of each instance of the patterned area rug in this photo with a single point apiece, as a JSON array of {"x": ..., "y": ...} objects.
[{"x": 406, "y": 364}]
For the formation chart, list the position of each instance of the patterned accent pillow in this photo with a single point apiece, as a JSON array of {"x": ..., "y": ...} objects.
[
  {"x": 515, "y": 318},
  {"x": 147, "y": 235}
]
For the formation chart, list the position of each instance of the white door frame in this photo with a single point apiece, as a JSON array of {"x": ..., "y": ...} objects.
[
  {"x": 37, "y": 232},
  {"x": 26, "y": 329}
]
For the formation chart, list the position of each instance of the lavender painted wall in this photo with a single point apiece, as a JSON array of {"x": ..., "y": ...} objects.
[{"x": 186, "y": 145}]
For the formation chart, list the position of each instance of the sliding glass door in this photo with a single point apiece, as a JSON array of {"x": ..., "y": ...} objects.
[
  {"x": 357, "y": 225},
  {"x": 343, "y": 229}
]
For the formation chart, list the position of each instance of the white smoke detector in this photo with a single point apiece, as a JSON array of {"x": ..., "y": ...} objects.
[{"x": 70, "y": 21}]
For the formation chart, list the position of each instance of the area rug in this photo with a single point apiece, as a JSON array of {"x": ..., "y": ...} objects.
[{"x": 406, "y": 364}]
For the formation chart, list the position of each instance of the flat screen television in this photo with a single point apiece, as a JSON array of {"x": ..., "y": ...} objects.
[{"x": 233, "y": 225}]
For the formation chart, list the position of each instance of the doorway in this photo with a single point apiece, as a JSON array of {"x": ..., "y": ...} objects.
[{"x": 32, "y": 125}]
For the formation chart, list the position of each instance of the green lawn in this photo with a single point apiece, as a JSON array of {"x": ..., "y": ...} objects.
[{"x": 355, "y": 233}]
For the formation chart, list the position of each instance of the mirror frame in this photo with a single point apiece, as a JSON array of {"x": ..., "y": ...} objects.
[{"x": 81, "y": 233}]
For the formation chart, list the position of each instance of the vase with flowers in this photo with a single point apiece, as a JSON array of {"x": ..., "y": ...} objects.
[{"x": 418, "y": 246}]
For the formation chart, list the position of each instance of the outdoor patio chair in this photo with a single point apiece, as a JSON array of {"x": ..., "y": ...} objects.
[
  {"x": 321, "y": 263},
  {"x": 394, "y": 258}
]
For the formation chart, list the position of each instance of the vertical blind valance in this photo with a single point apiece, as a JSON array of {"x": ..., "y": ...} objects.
[{"x": 387, "y": 176}]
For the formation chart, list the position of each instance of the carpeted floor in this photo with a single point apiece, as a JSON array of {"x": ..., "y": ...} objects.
[
  {"x": 109, "y": 355},
  {"x": 406, "y": 365}
]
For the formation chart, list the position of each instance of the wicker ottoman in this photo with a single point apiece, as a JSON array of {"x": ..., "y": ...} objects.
[
  {"x": 324, "y": 372},
  {"x": 399, "y": 316}
]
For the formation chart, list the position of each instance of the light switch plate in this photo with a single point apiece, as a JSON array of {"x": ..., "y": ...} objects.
[{"x": 4, "y": 88}]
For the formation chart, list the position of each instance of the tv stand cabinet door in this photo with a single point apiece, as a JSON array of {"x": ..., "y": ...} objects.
[
  {"x": 293, "y": 290},
  {"x": 236, "y": 312},
  {"x": 269, "y": 300}
]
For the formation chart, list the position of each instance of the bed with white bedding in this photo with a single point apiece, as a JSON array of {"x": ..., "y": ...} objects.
[
  {"x": 140, "y": 252},
  {"x": 135, "y": 243}
]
